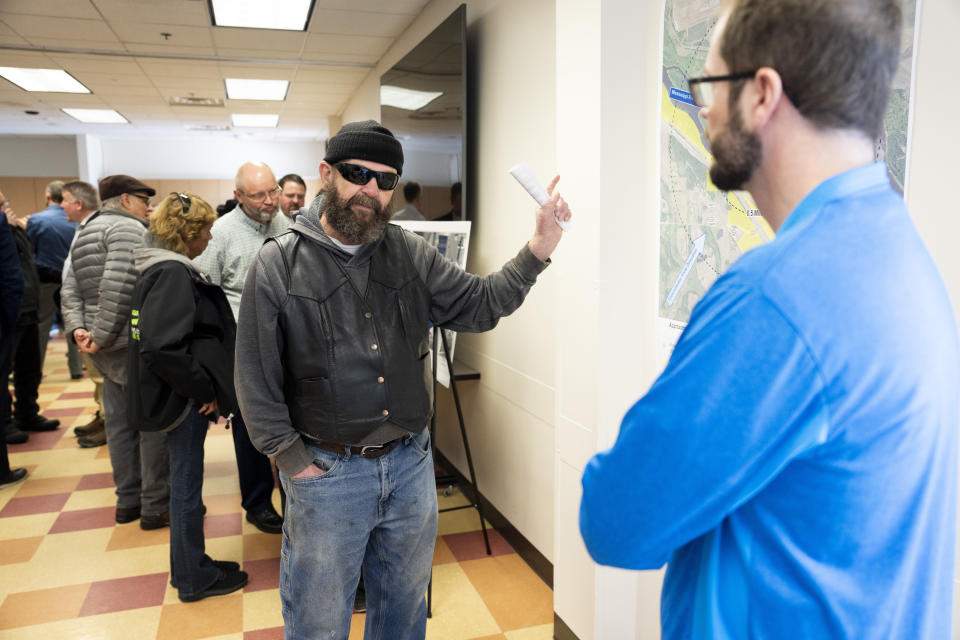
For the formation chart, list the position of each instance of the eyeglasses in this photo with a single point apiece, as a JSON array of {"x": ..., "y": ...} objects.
[
  {"x": 701, "y": 89},
  {"x": 258, "y": 198},
  {"x": 139, "y": 196},
  {"x": 361, "y": 175},
  {"x": 184, "y": 201}
]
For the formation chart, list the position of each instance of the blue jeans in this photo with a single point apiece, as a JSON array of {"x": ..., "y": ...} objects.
[
  {"x": 380, "y": 514},
  {"x": 191, "y": 569}
]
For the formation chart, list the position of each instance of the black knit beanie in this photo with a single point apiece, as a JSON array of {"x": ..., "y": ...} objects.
[{"x": 367, "y": 140}]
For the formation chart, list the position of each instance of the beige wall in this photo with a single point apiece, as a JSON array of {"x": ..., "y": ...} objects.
[{"x": 26, "y": 195}]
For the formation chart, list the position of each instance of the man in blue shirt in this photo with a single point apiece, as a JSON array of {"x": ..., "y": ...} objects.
[
  {"x": 795, "y": 465},
  {"x": 51, "y": 234}
]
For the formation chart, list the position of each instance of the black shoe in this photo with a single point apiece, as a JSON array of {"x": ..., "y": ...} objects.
[
  {"x": 76, "y": 376},
  {"x": 360, "y": 599},
  {"x": 37, "y": 423},
  {"x": 229, "y": 582},
  {"x": 148, "y": 522},
  {"x": 13, "y": 435},
  {"x": 15, "y": 476},
  {"x": 94, "y": 426},
  {"x": 97, "y": 439},
  {"x": 267, "y": 520},
  {"x": 127, "y": 514},
  {"x": 225, "y": 566}
]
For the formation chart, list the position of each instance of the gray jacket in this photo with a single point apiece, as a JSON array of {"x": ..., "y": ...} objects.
[
  {"x": 98, "y": 286},
  {"x": 456, "y": 300}
]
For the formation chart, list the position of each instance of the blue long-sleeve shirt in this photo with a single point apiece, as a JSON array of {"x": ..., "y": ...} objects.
[
  {"x": 796, "y": 463},
  {"x": 51, "y": 234}
]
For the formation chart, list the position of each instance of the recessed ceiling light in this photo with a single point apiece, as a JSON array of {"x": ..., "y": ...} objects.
[
  {"x": 245, "y": 89},
  {"x": 96, "y": 116},
  {"x": 409, "y": 99},
  {"x": 49, "y": 80},
  {"x": 255, "y": 119},
  {"x": 289, "y": 15}
]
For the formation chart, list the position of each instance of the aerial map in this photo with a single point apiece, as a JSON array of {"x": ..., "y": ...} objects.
[{"x": 704, "y": 230}]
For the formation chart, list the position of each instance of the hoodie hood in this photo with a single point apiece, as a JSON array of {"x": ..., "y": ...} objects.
[{"x": 151, "y": 253}]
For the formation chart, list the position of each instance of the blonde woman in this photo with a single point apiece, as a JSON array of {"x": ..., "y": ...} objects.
[{"x": 180, "y": 377}]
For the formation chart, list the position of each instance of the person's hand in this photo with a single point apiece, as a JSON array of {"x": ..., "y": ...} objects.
[
  {"x": 547, "y": 234},
  {"x": 82, "y": 338},
  {"x": 310, "y": 471},
  {"x": 208, "y": 408},
  {"x": 92, "y": 347}
]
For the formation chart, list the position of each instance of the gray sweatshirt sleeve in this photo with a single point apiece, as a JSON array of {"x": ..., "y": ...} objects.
[
  {"x": 71, "y": 302},
  {"x": 258, "y": 374},
  {"x": 466, "y": 302}
]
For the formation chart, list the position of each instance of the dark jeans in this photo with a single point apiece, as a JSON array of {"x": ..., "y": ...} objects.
[
  {"x": 26, "y": 375},
  {"x": 6, "y": 355},
  {"x": 191, "y": 569},
  {"x": 256, "y": 474}
]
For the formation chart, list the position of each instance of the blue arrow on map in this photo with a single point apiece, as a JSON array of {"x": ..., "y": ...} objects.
[{"x": 694, "y": 254}]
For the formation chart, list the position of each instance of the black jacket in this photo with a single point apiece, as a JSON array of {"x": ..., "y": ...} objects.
[
  {"x": 182, "y": 336},
  {"x": 29, "y": 305}
]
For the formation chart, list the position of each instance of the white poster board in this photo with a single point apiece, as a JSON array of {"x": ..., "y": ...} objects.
[{"x": 452, "y": 240}]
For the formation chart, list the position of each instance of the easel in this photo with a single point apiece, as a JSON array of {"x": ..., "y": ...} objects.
[{"x": 439, "y": 335}]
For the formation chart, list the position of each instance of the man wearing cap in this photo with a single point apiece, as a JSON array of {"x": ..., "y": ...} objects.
[
  {"x": 96, "y": 298},
  {"x": 237, "y": 236},
  {"x": 333, "y": 374}
]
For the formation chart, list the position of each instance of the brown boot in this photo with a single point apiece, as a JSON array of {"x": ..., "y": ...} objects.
[
  {"x": 91, "y": 427},
  {"x": 96, "y": 439}
]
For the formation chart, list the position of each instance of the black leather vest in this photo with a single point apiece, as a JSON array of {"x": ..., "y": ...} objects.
[{"x": 352, "y": 361}]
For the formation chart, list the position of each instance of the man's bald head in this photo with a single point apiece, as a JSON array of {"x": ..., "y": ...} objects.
[{"x": 257, "y": 191}]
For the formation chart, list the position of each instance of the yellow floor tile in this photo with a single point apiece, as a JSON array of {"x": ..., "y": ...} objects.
[
  {"x": 513, "y": 593},
  {"x": 91, "y": 499},
  {"x": 541, "y": 632},
  {"x": 442, "y": 553},
  {"x": 137, "y": 624},
  {"x": 261, "y": 610},
  {"x": 458, "y": 610},
  {"x": 210, "y": 617},
  {"x": 260, "y": 546},
  {"x": 34, "y": 486},
  {"x": 222, "y": 503},
  {"x": 34, "y": 607}
]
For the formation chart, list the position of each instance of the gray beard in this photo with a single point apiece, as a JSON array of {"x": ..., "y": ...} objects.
[
  {"x": 348, "y": 224},
  {"x": 263, "y": 217}
]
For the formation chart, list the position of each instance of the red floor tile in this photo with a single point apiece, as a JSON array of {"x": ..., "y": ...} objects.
[
  {"x": 264, "y": 574},
  {"x": 469, "y": 545},
  {"x": 76, "y": 395},
  {"x": 96, "y": 481},
  {"x": 83, "y": 519},
  {"x": 39, "y": 441},
  {"x": 123, "y": 594},
  {"x": 275, "y": 633},
  {"x": 34, "y": 504},
  {"x": 71, "y": 412},
  {"x": 219, "y": 526}
]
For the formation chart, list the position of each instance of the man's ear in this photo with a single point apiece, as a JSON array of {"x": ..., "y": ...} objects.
[
  {"x": 764, "y": 96},
  {"x": 326, "y": 172}
]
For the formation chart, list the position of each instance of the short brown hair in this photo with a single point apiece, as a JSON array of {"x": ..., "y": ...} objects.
[
  {"x": 837, "y": 58},
  {"x": 173, "y": 226}
]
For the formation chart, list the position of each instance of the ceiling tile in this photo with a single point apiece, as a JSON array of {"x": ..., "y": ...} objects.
[
  {"x": 51, "y": 8},
  {"x": 347, "y": 45},
  {"x": 97, "y": 64},
  {"x": 169, "y": 12},
  {"x": 409, "y": 7},
  {"x": 179, "y": 36},
  {"x": 388, "y": 25},
  {"x": 258, "y": 39},
  {"x": 41, "y": 28}
]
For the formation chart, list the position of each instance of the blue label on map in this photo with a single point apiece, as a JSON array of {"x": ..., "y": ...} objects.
[{"x": 681, "y": 96}]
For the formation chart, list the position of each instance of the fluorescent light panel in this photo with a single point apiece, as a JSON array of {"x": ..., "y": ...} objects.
[
  {"x": 49, "y": 80},
  {"x": 244, "y": 89},
  {"x": 409, "y": 99},
  {"x": 255, "y": 119},
  {"x": 96, "y": 116},
  {"x": 288, "y": 15}
]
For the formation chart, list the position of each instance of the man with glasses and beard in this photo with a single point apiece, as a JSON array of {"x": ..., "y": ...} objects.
[
  {"x": 333, "y": 372},
  {"x": 237, "y": 236},
  {"x": 795, "y": 465}
]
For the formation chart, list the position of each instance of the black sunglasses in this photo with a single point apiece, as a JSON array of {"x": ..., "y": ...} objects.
[
  {"x": 184, "y": 201},
  {"x": 361, "y": 175}
]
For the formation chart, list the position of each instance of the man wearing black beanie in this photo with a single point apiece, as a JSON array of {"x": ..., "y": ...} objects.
[{"x": 334, "y": 376}]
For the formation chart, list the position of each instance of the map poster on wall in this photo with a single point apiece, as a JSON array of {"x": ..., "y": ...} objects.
[
  {"x": 452, "y": 240},
  {"x": 704, "y": 230}
]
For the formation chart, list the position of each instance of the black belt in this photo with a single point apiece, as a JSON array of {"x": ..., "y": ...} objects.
[{"x": 367, "y": 450}]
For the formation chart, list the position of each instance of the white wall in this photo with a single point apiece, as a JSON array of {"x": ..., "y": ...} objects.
[
  {"x": 27, "y": 156},
  {"x": 215, "y": 157}
]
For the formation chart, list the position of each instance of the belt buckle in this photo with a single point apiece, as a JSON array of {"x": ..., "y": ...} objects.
[{"x": 370, "y": 448}]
